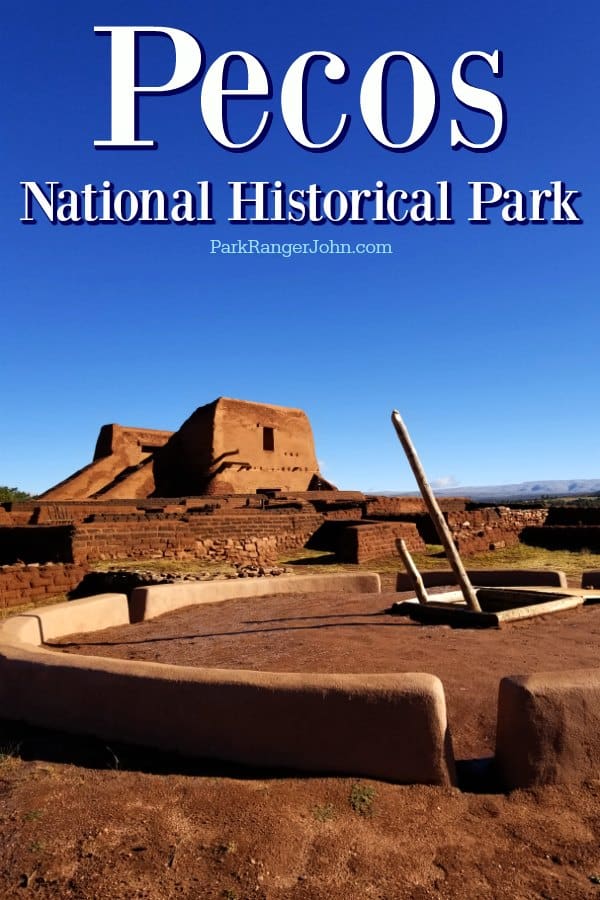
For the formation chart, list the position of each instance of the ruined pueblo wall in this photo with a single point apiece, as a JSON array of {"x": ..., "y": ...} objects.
[
  {"x": 360, "y": 543},
  {"x": 235, "y": 538},
  {"x": 563, "y": 537},
  {"x": 20, "y": 584},
  {"x": 36, "y": 544},
  {"x": 43, "y": 512},
  {"x": 388, "y": 507},
  {"x": 492, "y": 527}
]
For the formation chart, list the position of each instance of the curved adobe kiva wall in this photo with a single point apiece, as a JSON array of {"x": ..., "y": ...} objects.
[
  {"x": 549, "y": 728},
  {"x": 383, "y": 726}
]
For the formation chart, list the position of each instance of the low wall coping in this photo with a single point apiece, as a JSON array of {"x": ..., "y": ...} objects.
[
  {"x": 591, "y": 579},
  {"x": 48, "y": 622},
  {"x": 391, "y": 726},
  {"x": 488, "y": 578},
  {"x": 154, "y": 600}
]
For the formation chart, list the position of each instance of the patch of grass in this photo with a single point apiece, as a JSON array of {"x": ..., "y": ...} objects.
[
  {"x": 521, "y": 556},
  {"x": 230, "y": 894},
  {"x": 158, "y": 566},
  {"x": 226, "y": 849},
  {"x": 572, "y": 562},
  {"x": 362, "y": 798},
  {"x": 9, "y": 755},
  {"x": 317, "y": 562},
  {"x": 32, "y": 815},
  {"x": 324, "y": 813}
]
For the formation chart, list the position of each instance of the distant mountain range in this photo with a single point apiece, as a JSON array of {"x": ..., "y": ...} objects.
[{"x": 524, "y": 490}]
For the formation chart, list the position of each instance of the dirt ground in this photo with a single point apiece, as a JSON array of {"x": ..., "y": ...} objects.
[
  {"x": 338, "y": 632},
  {"x": 81, "y": 819},
  {"x": 87, "y": 821}
]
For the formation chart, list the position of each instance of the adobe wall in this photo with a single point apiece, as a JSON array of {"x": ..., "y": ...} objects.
[
  {"x": 361, "y": 543},
  {"x": 549, "y": 728},
  {"x": 134, "y": 444},
  {"x": 181, "y": 466},
  {"x": 67, "y": 512},
  {"x": 231, "y": 446},
  {"x": 36, "y": 544},
  {"x": 226, "y": 530},
  {"x": 563, "y": 537},
  {"x": 574, "y": 515},
  {"x": 87, "y": 480},
  {"x": 234, "y": 528},
  {"x": 492, "y": 527},
  {"x": 13, "y": 514},
  {"x": 149, "y": 601},
  {"x": 591, "y": 579},
  {"x": 291, "y": 530},
  {"x": 487, "y": 578},
  {"x": 325, "y": 724},
  {"x": 200, "y": 537},
  {"x": 548, "y": 723},
  {"x": 385, "y": 507},
  {"x": 291, "y": 462},
  {"x": 261, "y": 551},
  {"x": 132, "y": 481},
  {"x": 119, "y": 451},
  {"x": 345, "y": 724},
  {"x": 412, "y": 509},
  {"x": 20, "y": 584}
]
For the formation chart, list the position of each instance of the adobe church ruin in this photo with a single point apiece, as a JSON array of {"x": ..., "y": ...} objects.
[
  {"x": 225, "y": 447},
  {"x": 237, "y": 483}
]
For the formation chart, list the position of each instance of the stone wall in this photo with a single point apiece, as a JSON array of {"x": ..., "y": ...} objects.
[
  {"x": 200, "y": 537},
  {"x": 20, "y": 584},
  {"x": 32, "y": 544},
  {"x": 360, "y": 543},
  {"x": 259, "y": 551},
  {"x": 493, "y": 527},
  {"x": 338, "y": 504},
  {"x": 44, "y": 512},
  {"x": 402, "y": 506},
  {"x": 254, "y": 528},
  {"x": 564, "y": 537},
  {"x": 574, "y": 515}
]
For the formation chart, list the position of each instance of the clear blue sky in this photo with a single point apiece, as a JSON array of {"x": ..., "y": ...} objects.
[{"x": 485, "y": 338}]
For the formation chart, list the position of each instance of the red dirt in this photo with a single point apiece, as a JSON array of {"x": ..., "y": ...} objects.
[
  {"x": 68, "y": 831},
  {"x": 337, "y": 632},
  {"x": 84, "y": 821}
]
